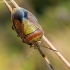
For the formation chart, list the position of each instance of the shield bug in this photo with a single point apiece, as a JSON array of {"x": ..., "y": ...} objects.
[{"x": 26, "y": 26}]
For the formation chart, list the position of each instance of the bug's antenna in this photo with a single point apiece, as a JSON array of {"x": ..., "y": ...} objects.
[
  {"x": 37, "y": 46},
  {"x": 6, "y": 3},
  {"x": 28, "y": 55},
  {"x": 14, "y": 3}
]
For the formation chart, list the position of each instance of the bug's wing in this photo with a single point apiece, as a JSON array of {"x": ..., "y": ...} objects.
[
  {"x": 18, "y": 27},
  {"x": 33, "y": 19}
]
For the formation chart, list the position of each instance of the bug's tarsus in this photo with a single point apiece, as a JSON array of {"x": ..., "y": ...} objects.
[
  {"x": 31, "y": 46},
  {"x": 6, "y": 3},
  {"x": 12, "y": 28}
]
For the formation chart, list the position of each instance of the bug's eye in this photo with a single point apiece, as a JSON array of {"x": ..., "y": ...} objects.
[
  {"x": 26, "y": 14},
  {"x": 17, "y": 14}
]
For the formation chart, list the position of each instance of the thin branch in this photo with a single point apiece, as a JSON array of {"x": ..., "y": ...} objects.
[
  {"x": 9, "y": 7},
  {"x": 57, "y": 53},
  {"x": 14, "y": 3}
]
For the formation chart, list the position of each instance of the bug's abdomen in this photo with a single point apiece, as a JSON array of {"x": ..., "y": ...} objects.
[
  {"x": 32, "y": 32},
  {"x": 33, "y": 37}
]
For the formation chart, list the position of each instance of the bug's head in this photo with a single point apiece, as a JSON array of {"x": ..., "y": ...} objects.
[{"x": 19, "y": 14}]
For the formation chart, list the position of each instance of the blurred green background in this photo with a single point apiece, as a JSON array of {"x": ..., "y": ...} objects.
[{"x": 54, "y": 17}]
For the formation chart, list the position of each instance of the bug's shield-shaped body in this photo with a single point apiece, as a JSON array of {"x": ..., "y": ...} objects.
[{"x": 26, "y": 26}]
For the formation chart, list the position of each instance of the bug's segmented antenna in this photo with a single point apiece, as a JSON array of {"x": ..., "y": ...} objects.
[
  {"x": 37, "y": 46},
  {"x": 6, "y": 3},
  {"x": 28, "y": 55}
]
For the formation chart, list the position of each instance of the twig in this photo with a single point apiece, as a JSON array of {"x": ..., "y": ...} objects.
[
  {"x": 57, "y": 53},
  {"x": 9, "y": 7},
  {"x": 14, "y": 3}
]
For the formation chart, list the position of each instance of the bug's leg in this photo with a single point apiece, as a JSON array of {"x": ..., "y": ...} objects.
[
  {"x": 48, "y": 48},
  {"x": 31, "y": 46},
  {"x": 17, "y": 35},
  {"x": 14, "y": 3},
  {"x": 6, "y": 3},
  {"x": 13, "y": 27}
]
